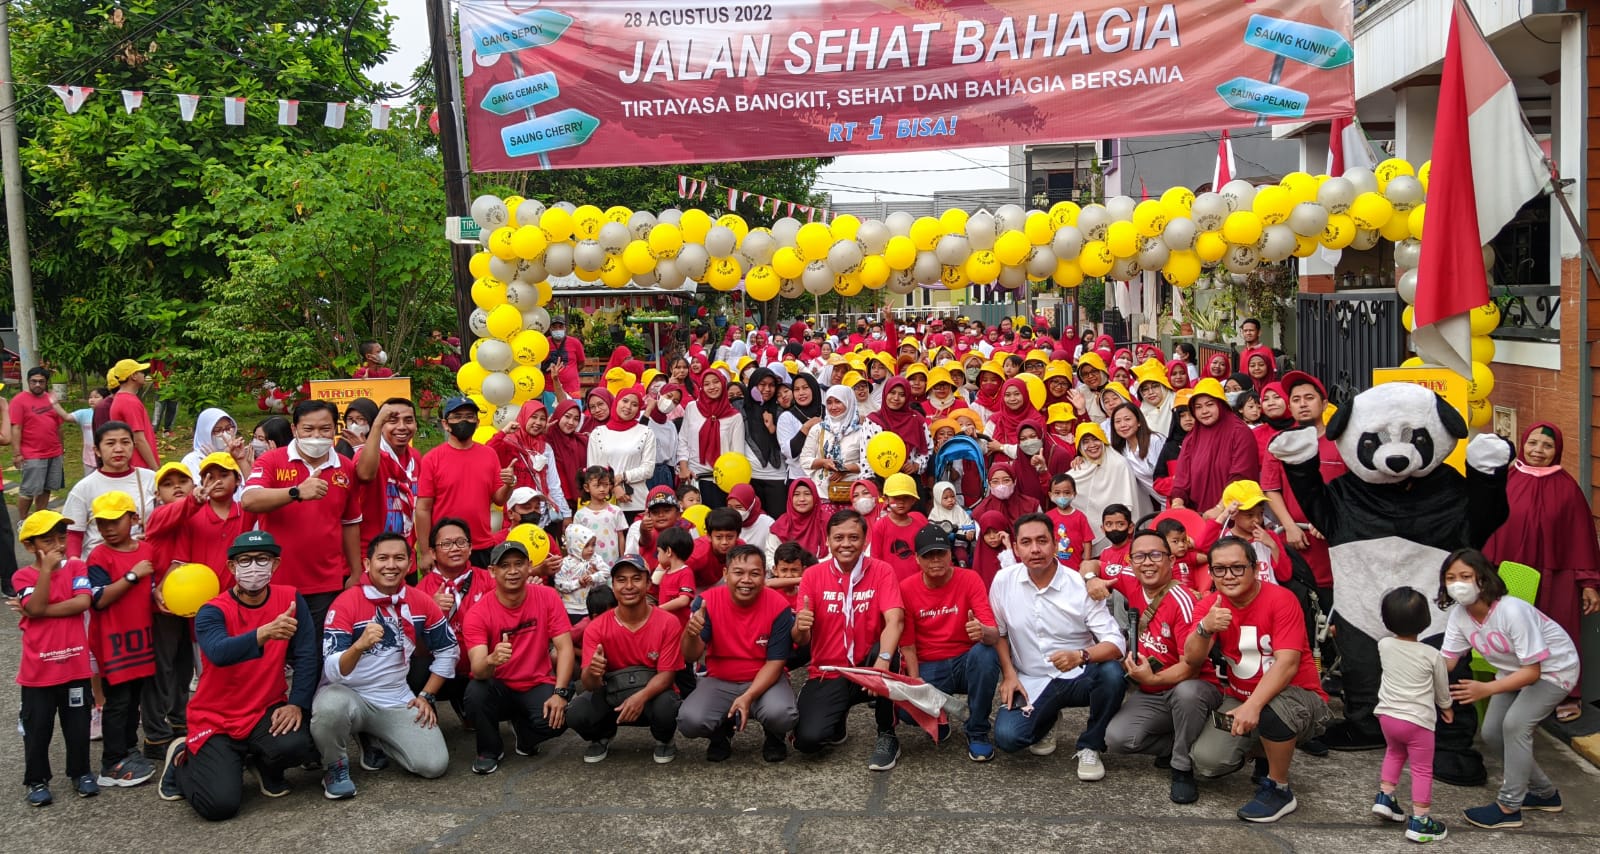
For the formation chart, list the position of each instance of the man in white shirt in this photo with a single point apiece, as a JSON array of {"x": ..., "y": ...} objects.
[{"x": 1060, "y": 649}]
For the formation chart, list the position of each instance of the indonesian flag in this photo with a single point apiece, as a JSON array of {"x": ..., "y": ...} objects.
[
  {"x": 1348, "y": 147},
  {"x": 288, "y": 112},
  {"x": 1485, "y": 166},
  {"x": 233, "y": 110},
  {"x": 72, "y": 97},
  {"x": 1226, "y": 168},
  {"x": 926, "y": 705},
  {"x": 334, "y": 118},
  {"x": 380, "y": 116},
  {"x": 187, "y": 105},
  {"x": 132, "y": 99}
]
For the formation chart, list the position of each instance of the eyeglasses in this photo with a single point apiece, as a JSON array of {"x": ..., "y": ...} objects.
[
  {"x": 1234, "y": 569},
  {"x": 256, "y": 562},
  {"x": 452, "y": 544},
  {"x": 1148, "y": 557}
]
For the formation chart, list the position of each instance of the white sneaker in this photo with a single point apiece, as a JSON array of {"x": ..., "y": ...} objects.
[
  {"x": 1044, "y": 746},
  {"x": 1090, "y": 768},
  {"x": 94, "y": 724}
]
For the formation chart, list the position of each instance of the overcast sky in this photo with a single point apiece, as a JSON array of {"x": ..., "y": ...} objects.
[{"x": 850, "y": 179}]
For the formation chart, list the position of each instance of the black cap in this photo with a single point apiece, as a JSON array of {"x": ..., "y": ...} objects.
[
  {"x": 501, "y": 550},
  {"x": 633, "y": 560},
  {"x": 931, "y": 539},
  {"x": 254, "y": 541}
]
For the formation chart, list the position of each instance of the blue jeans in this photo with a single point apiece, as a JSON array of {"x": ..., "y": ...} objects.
[
  {"x": 975, "y": 673},
  {"x": 1100, "y": 688}
]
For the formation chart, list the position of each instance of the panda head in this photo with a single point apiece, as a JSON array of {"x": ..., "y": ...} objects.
[{"x": 1395, "y": 431}]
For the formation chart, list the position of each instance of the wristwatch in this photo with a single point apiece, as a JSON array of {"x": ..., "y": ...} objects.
[
  {"x": 885, "y": 656},
  {"x": 1083, "y": 657},
  {"x": 1200, "y": 629},
  {"x": 432, "y": 698},
  {"x": 132, "y": 577},
  {"x": 1088, "y": 574},
  {"x": 294, "y": 493},
  {"x": 565, "y": 693}
]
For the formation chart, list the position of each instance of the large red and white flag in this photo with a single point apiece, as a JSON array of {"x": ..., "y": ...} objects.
[
  {"x": 1348, "y": 147},
  {"x": 926, "y": 705},
  {"x": 1225, "y": 168},
  {"x": 1485, "y": 167}
]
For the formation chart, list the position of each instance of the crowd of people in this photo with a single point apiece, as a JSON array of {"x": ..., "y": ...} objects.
[{"x": 1075, "y": 524}]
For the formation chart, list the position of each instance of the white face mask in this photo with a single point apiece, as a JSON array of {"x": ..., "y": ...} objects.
[
  {"x": 220, "y": 441},
  {"x": 314, "y": 448},
  {"x": 259, "y": 446},
  {"x": 251, "y": 579},
  {"x": 744, "y": 515},
  {"x": 359, "y": 429},
  {"x": 864, "y": 504},
  {"x": 1464, "y": 592},
  {"x": 664, "y": 405},
  {"x": 383, "y": 357},
  {"x": 1001, "y": 491},
  {"x": 1030, "y": 446}
]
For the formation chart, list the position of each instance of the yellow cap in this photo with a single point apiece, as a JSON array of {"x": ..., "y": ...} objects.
[
  {"x": 911, "y": 341},
  {"x": 40, "y": 522},
  {"x": 649, "y": 376},
  {"x": 1092, "y": 359},
  {"x": 791, "y": 366},
  {"x": 1246, "y": 493},
  {"x": 618, "y": 379},
  {"x": 942, "y": 423},
  {"x": 838, "y": 359},
  {"x": 1327, "y": 413},
  {"x": 887, "y": 360},
  {"x": 1151, "y": 371},
  {"x": 744, "y": 361},
  {"x": 1182, "y": 397},
  {"x": 916, "y": 368},
  {"x": 1060, "y": 412},
  {"x": 171, "y": 468},
  {"x": 1210, "y": 388},
  {"x": 970, "y": 415},
  {"x": 120, "y": 372},
  {"x": 222, "y": 459},
  {"x": 900, "y": 483},
  {"x": 1036, "y": 355},
  {"x": 993, "y": 367},
  {"x": 940, "y": 375},
  {"x": 1119, "y": 388},
  {"x": 720, "y": 365},
  {"x": 112, "y": 505},
  {"x": 852, "y": 378},
  {"x": 1057, "y": 368},
  {"x": 1089, "y": 428}
]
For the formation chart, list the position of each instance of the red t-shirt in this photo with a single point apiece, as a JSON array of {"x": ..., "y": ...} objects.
[
  {"x": 311, "y": 533},
  {"x": 1272, "y": 480},
  {"x": 372, "y": 372},
  {"x": 467, "y": 588},
  {"x": 122, "y": 636},
  {"x": 936, "y": 620},
  {"x": 1114, "y": 559},
  {"x": 389, "y": 500},
  {"x": 229, "y": 700},
  {"x": 1073, "y": 536},
  {"x": 834, "y": 641},
  {"x": 707, "y": 565},
  {"x": 129, "y": 409},
  {"x": 679, "y": 582},
  {"x": 36, "y": 418},
  {"x": 1271, "y": 622},
  {"x": 1190, "y": 572},
  {"x": 191, "y": 532},
  {"x": 891, "y": 543},
  {"x": 1168, "y": 630},
  {"x": 531, "y": 625},
  {"x": 55, "y": 650},
  {"x": 744, "y": 638},
  {"x": 655, "y": 644},
  {"x": 462, "y": 483}
]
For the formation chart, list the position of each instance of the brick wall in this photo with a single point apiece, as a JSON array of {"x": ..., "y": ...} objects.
[{"x": 1539, "y": 394}]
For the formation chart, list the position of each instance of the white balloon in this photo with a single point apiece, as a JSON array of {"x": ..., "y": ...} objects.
[
  {"x": 1488, "y": 257},
  {"x": 1407, "y": 253},
  {"x": 522, "y": 296},
  {"x": 648, "y": 279},
  {"x": 1209, "y": 210},
  {"x": 501, "y": 269},
  {"x": 1407, "y": 286},
  {"x": 982, "y": 229},
  {"x": 899, "y": 223},
  {"x": 901, "y": 282},
  {"x": 1277, "y": 243},
  {"x": 790, "y": 288},
  {"x": 613, "y": 237},
  {"x": 1012, "y": 276},
  {"x": 1308, "y": 219},
  {"x": 952, "y": 250},
  {"x": 1365, "y": 239},
  {"x": 1336, "y": 194},
  {"x": 1239, "y": 194},
  {"x": 536, "y": 318},
  {"x": 1126, "y": 269},
  {"x": 495, "y": 354},
  {"x": 490, "y": 212},
  {"x": 817, "y": 278},
  {"x": 499, "y": 389},
  {"x": 1362, "y": 179},
  {"x": 1404, "y": 192},
  {"x": 532, "y": 272},
  {"x": 670, "y": 216},
  {"x": 1241, "y": 259},
  {"x": 478, "y": 322},
  {"x": 1153, "y": 253},
  {"x": 1179, "y": 234},
  {"x": 1068, "y": 242},
  {"x": 1093, "y": 221},
  {"x": 845, "y": 257},
  {"x": 558, "y": 259},
  {"x": 504, "y": 415},
  {"x": 926, "y": 269},
  {"x": 639, "y": 224},
  {"x": 720, "y": 241},
  {"x": 1121, "y": 207},
  {"x": 874, "y": 236},
  {"x": 785, "y": 229},
  {"x": 693, "y": 261},
  {"x": 759, "y": 247},
  {"x": 667, "y": 272},
  {"x": 1041, "y": 262},
  {"x": 1010, "y": 218},
  {"x": 588, "y": 255},
  {"x": 529, "y": 211}
]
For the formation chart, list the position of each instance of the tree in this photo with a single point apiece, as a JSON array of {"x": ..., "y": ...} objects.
[
  {"x": 331, "y": 248},
  {"x": 119, "y": 215}
]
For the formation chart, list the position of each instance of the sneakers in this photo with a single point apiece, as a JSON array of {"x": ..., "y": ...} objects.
[
  {"x": 1424, "y": 828},
  {"x": 1044, "y": 746},
  {"x": 95, "y": 724},
  {"x": 336, "y": 782},
  {"x": 486, "y": 764},
  {"x": 979, "y": 749},
  {"x": 774, "y": 748},
  {"x": 1543, "y": 803},
  {"x": 1492, "y": 817},
  {"x": 168, "y": 787},
  {"x": 1386, "y": 806},
  {"x": 39, "y": 795},
  {"x": 666, "y": 751},
  {"x": 1090, "y": 768},
  {"x": 719, "y": 749},
  {"x": 271, "y": 783},
  {"x": 130, "y": 771},
  {"x": 597, "y": 751},
  {"x": 885, "y": 752},
  {"x": 373, "y": 757},
  {"x": 85, "y": 786},
  {"x": 1184, "y": 789},
  {"x": 1271, "y": 803},
  {"x": 840, "y": 736}
]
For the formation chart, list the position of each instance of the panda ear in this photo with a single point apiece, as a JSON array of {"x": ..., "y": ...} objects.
[
  {"x": 1338, "y": 421},
  {"x": 1454, "y": 424}
]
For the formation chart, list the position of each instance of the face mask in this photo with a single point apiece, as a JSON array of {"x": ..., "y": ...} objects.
[
  {"x": 359, "y": 429},
  {"x": 314, "y": 448},
  {"x": 744, "y": 515},
  {"x": 1062, "y": 501},
  {"x": 972, "y": 375},
  {"x": 1117, "y": 538},
  {"x": 1464, "y": 592},
  {"x": 1233, "y": 398},
  {"x": 259, "y": 446},
  {"x": 1002, "y": 491},
  {"x": 462, "y": 430},
  {"x": 383, "y": 358},
  {"x": 220, "y": 441},
  {"x": 1030, "y": 446},
  {"x": 864, "y": 504},
  {"x": 558, "y": 334},
  {"x": 253, "y": 578},
  {"x": 664, "y": 405}
]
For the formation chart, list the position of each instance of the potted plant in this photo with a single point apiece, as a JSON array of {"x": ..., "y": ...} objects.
[{"x": 1204, "y": 324}]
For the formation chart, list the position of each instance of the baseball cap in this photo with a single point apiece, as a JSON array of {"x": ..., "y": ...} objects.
[
  {"x": 123, "y": 369},
  {"x": 112, "y": 505},
  {"x": 175, "y": 466},
  {"x": 661, "y": 496},
  {"x": 254, "y": 541},
  {"x": 451, "y": 404},
  {"x": 520, "y": 496},
  {"x": 632, "y": 560},
  {"x": 40, "y": 522},
  {"x": 931, "y": 539},
  {"x": 506, "y": 548},
  {"x": 1294, "y": 378},
  {"x": 221, "y": 459},
  {"x": 1246, "y": 492},
  {"x": 900, "y": 483}
]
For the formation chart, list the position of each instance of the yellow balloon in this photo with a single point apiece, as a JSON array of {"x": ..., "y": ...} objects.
[
  {"x": 954, "y": 278},
  {"x": 695, "y": 224},
  {"x": 1068, "y": 274},
  {"x": 1012, "y": 247},
  {"x": 1036, "y": 390},
  {"x": 488, "y": 293},
  {"x": 1242, "y": 227},
  {"x": 189, "y": 586},
  {"x": 1481, "y": 384},
  {"x": 953, "y": 221},
  {"x": 529, "y": 242},
  {"x": 470, "y": 377},
  {"x": 512, "y": 203},
  {"x": 1415, "y": 219},
  {"x": 479, "y": 265},
  {"x": 1210, "y": 247},
  {"x": 730, "y": 470},
  {"x": 761, "y": 283},
  {"x": 1096, "y": 259},
  {"x": 1273, "y": 204},
  {"x": 723, "y": 274},
  {"x": 500, "y": 243},
  {"x": 1339, "y": 232},
  {"x": 1301, "y": 186},
  {"x": 1391, "y": 169},
  {"x": 530, "y": 347},
  {"x": 637, "y": 258},
  {"x": 1064, "y": 213},
  {"x": 1178, "y": 198},
  {"x": 533, "y": 538},
  {"x": 1304, "y": 247},
  {"x": 886, "y": 453},
  {"x": 618, "y": 214},
  {"x": 1423, "y": 173},
  {"x": 1408, "y": 318},
  {"x": 665, "y": 241},
  {"x": 983, "y": 267},
  {"x": 504, "y": 321},
  {"x": 1150, "y": 218},
  {"x": 485, "y": 408},
  {"x": 848, "y": 284},
  {"x": 874, "y": 271},
  {"x": 586, "y": 221},
  {"x": 1480, "y": 413},
  {"x": 1182, "y": 269},
  {"x": 1370, "y": 210},
  {"x": 1398, "y": 228},
  {"x": 1482, "y": 349},
  {"x": 814, "y": 239},
  {"x": 545, "y": 292},
  {"x": 529, "y": 380},
  {"x": 1038, "y": 229},
  {"x": 1123, "y": 239},
  {"x": 844, "y": 227},
  {"x": 786, "y": 262},
  {"x": 484, "y": 433},
  {"x": 614, "y": 273},
  {"x": 736, "y": 224},
  {"x": 1485, "y": 319},
  {"x": 925, "y": 233},
  {"x": 697, "y": 517},
  {"x": 557, "y": 224},
  {"x": 900, "y": 252}
]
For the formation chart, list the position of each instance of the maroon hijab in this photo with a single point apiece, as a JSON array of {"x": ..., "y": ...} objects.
[
  {"x": 1011, "y": 509},
  {"x": 809, "y": 529},
  {"x": 909, "y": 424},
  {"x": 570, "y": 450},
  {"x": 985, "y": 560}
]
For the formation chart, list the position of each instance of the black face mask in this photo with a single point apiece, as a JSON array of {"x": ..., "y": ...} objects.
[
  {"x": 1117, "y": 538},
  {"x": 462, "y": 430}
]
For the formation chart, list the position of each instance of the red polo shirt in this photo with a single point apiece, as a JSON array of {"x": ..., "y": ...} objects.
[
  {"x": 55, "y": 650},
  {"x": 824, "y": 589},
  {"x": 129, "y": 409},
  {"x": 656, "y": 643},
  {"x": 743, "y": 638},
  {"x": 311, "y": 533},
  {"x": 530, "y": 626},
  {"x": 936, "y": 620}
]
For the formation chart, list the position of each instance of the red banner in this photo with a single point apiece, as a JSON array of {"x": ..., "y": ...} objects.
[{"x": 580, "y": 83}]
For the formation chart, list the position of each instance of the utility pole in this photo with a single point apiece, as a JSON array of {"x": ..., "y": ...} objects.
[
  {"x": 16, "y": 217},
  {"x": 453, "y": 148}
]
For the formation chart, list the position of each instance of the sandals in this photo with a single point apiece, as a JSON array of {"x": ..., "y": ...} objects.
[{"x": 1568, "y": 711}]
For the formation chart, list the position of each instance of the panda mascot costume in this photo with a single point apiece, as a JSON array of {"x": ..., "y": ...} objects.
[{"x": 1392, "y": 520}]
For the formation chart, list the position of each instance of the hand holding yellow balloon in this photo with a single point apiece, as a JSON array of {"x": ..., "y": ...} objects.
[
  {"x": 730, "y": 470},
  {"x": 886, "y": 453},
  {"x": 187, "y": 587}
]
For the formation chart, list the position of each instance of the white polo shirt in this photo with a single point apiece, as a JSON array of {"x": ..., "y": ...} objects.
[{"x": 1038, "y": 622}]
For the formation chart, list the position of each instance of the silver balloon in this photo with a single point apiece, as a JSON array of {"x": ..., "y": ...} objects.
[
  {"x": 504, "y": 415},
  {"x": 1408, "y": 253},
  {"x": 952, "y": 250},
  {"x": 926, "y": 269},
  {"x": 478, "y": 322},
  {"x": 817, "y": 278},
  {"x": 1041, "y": 262},
  {"x": 529, "y": 211},
  {"x": 1362, "y": 179},
  {"x": 670, "y": 216},
  {"x": 720, "y": 241},
  {"x": 522, "y": 296},
  {"x": 790, "y": 288},
  {"x": 1407, "y": 286},
  {"x": 901, "y": 282},
  {"x": 1308, "y": 219},
  {"x": 784, "y": 230},
  {"x": 982, "y": 229},
  {"x": 759, "y": 246},
  {"x": 613, "y": 237},
  {"x": 1277, "y": 243},
  {"x": 536, "y": 318},
  {"x": 1209, "y": 210},
  {"x": 1404, "y": 192},
  {"x": 845, "y": 257},
  {"x": 1121, "y": 207},
  {"x": 558, "y": 259},
  {"x": 648, "y": 279},
  {"x": 1153, "y": 253},
  {"x": 495, "y": 354},
  {"x": 667, "y": 272},
  {"x": 588, "y": 255},
  {"x": 1179, "y": 234},
  {"x": 1012, "y": 276},
  {"x": 532, "y": 272},
  {"x": 1488, "y": 257},
  {"x": 499, "y": 389},
  {"x": 1010, "y": 218},
  {"x": 899, "y": 223},
  {"x": 490, "y": 212},
  {"x": 566, "y": 206},
  {"x": 1365, "y": 239},
  {"x": 1068, "y": 242},
  {"x": 501, "y": 269},
  {"x": 639, "y": 224},
  {"x": 1093, "y": 221},
  {"x": 1239, "y": 194},
  {"x": 693, "y": 261},
  {"x": 874, "y": 236},
  {"x": 1336, "y": 194},
  {"x": 1125, "y": 270},
  {"x": 1241, "y": 259}
]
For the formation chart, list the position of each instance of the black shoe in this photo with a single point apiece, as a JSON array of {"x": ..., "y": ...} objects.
[
  {"x": 774, "y": 749},
  {"x": 486, "y": 764},
  {"x": 1315, "y": 747},
  {"x": 1184, "y": 790},
  {"x": 373, "y": 757},
  {"x": 1164, "y": 761},
  {"x": 168, "y": 789},
  {"x": 1260, "y": 772},
  {"x": 1344, "y": 736},
  {"x": 719, "y": 749},
  {"x": 885, "y": 753}
]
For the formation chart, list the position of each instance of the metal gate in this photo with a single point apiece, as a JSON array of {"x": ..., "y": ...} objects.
[{"x": 1345, "y": 335}]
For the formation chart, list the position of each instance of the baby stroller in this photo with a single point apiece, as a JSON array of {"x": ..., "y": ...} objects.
[{"x": 964, "y": 450}]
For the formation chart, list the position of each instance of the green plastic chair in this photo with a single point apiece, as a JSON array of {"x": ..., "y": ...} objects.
[{"x": 1522, "y": 582}]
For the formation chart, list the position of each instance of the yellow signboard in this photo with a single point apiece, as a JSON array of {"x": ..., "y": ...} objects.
[
  {"x": 1441, "y": 381},
  {"x": 341, "y": 392}
]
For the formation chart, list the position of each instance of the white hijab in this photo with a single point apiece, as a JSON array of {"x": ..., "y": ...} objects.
[
  {"x": 846, "y": 423},
  {"x": 1103, "y": 483}
]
